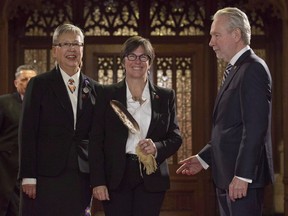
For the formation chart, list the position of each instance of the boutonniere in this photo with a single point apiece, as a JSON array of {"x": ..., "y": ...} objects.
[
  {"x": 86, "y": 88},
  {"x": 87, "y": 91}
]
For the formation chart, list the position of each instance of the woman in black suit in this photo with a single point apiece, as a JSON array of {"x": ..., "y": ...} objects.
[
  {"x": 55, "y": 126},
  {"x": 117, "y": 179}
]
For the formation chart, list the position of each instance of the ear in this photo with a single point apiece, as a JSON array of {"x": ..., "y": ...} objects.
[
  {"x": 236, "y": 34},
  {"x": 54, "y": 51},
  {"x": 15, "y": 83},
  {"x": 123, "y": 63}
]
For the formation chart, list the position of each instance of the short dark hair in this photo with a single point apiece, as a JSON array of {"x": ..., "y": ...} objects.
[{"x": 133, "y": 43}]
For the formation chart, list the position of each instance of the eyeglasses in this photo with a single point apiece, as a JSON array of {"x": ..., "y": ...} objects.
[
  {"x": 142, "y": 58},
  {"x": 67, "y": 45}
]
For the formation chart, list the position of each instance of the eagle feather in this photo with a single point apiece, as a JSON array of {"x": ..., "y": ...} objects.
[{"x": 127, "y": 119}]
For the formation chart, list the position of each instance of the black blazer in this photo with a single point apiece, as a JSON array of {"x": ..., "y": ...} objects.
[
  {"x": 107, "y": 157},
  {"x": 241, "y": 135},
  {"x": 47, "y": 132},
  {"x": 10, "y": 110}
]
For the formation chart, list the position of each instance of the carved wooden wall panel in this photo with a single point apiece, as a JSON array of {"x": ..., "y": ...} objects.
[{"x": 176, "y": 23}]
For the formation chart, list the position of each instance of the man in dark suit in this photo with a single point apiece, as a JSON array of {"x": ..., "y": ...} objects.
[
  {"x": 240, "y": 151},
  {"x": 55, "y": 129},
  {"x": 10, "y": 110},
  {"x": 118, "y": 178}
]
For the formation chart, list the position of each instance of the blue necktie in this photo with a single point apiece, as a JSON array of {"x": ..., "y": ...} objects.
[{"x": 226, "y": 72}]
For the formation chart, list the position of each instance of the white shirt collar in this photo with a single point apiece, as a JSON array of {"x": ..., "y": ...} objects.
[
  {"x": 236, "y": 57},
  {"x": 145, "y": 93},
  {"x": 66, "y": 77}
]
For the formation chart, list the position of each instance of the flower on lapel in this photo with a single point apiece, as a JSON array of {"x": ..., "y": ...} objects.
[
  {"x": 86, "y": 88},
  {"x": 88, "y": 211},
  {"x": 87, "y": 91}
]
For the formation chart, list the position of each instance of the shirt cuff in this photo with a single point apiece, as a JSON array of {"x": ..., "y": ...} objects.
[
  {"x": 205, "y": 166},
  {"x": 244, "y": 179},
  {"x": 202, "y": 162},
  {"x": 29, "y": 181}
]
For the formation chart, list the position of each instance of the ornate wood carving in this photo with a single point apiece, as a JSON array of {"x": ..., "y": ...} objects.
[{"x": 26, "y": 27}]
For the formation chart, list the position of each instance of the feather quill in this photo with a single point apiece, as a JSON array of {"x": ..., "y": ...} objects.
[
  {"x": 127, "y": 119},
  {"x": 125, "y": 116}
]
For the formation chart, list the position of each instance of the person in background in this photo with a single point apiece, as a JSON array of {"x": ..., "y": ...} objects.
[
  {"x": 117, "y": 178},
  {"x": 10, "y": 109},
  {"x": 55, "y": 129},
  {"x": 240, "y": 151}
]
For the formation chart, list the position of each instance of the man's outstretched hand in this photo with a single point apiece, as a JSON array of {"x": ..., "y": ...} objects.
[{"x": 190, "y": 166}]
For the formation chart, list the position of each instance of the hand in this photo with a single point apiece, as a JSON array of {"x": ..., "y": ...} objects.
[
  {"x": 237, "y": 189},
  {"x": 190, "y": 166},
  {"x": 101, "y": 193},
  {"x": 147, "y": 146},
  {"x": 29, "y": 190}
]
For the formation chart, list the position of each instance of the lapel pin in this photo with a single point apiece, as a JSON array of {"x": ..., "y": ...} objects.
[
  {"x": 85, "y": 90},
  {"x": 155, "y": 95}
]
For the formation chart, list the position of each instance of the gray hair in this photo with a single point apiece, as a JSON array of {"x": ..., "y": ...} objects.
[
  {"x": 67, "y": 28},
  {"x": 237, "y": 19},
  {"x": 24, "y": 67},
  {"x": 133, "y": 43}
]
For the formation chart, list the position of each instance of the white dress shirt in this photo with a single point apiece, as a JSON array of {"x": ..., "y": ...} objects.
[
  {"x": 142, "y": 114},
  {"x": 73, "y": 96}
]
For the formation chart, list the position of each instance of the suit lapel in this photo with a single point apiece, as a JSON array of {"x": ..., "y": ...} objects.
[
  {"x": 224, "y": 86},
  {"x": 17, "y": 97},
  {"x": 120, "y": 93},
  {"x": 82, "y": 97},
  {"x": 229, "y": 78},
  {"x": 155, "y": 108},
  {"x": 59, "y": 88}
]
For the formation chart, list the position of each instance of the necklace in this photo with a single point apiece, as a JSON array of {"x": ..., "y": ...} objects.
[{"x": 139, "y": 99}]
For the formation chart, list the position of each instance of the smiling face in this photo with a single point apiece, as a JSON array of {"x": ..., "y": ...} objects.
[
  {"x": 69, "y": 58},
  {"x": 137, "y": 69}
]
